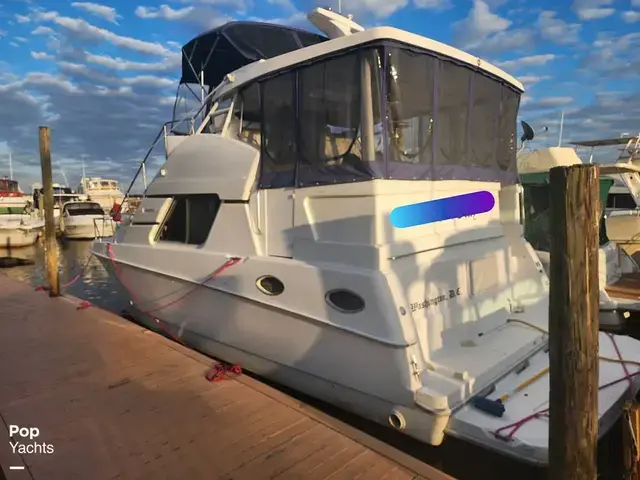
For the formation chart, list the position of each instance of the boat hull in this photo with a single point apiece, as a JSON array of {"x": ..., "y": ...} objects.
[
  {"x": 12, "y": 237},
  {"x": 612, "y": 308},
  {"x": 306, "y": 356},
  {"x": 261, "y": 339},
  {"x": 88, "y": 231}
]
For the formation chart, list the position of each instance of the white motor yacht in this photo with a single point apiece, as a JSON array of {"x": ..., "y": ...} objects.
[
  {"x": 18, "y": 227},
  {"x": 282, "y": 233},
  {"x": 85, "y": 220}
]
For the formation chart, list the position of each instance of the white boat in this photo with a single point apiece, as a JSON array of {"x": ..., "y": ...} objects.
[
  {"x": 619, "y": 274},
  {"x": 18, "y": 228},
  {"x": 104, "y": 191},
  {"x": 622, "y": 210},
  {"x": 61, "y": 195},
  {"x": 85, "y": 220},
  {"x": 324, "y": 288}
]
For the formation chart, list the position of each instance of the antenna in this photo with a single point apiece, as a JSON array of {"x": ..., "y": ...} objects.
[
  {"x": 561, "y": 126},
  {"x": 64, "y": 176},
  {"x": 83, "y": 173}
]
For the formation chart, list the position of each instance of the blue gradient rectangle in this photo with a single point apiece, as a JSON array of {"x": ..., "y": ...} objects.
[{"x": 442, "y": 209}]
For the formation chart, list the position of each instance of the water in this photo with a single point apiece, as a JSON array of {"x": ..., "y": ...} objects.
[{"x": 74, "y": 257}]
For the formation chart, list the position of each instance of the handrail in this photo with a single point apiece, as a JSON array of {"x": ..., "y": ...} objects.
[{"x": 163, "y": 134}]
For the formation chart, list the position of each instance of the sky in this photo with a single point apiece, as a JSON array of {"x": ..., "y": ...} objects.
[{"x": 103, "y": 76}]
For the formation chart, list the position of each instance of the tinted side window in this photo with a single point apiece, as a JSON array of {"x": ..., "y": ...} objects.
[
  {"x": 278, "y": 160},
  {"x": 190, "y": 219},
  {"x": 624, "y": 200},
  {"x": 246, "y": 122}
]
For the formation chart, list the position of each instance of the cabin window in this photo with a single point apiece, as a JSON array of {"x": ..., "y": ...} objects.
[
  {"x": 190, "y": 219},
  {"x": 278, "y": 159},
  {"x": 245, "y": 124},
  {"x": 81, "y": 208},
  {"x": 410, "y": 85},
  {"x": 621, "y": 200},
  {"x": 331, "y": 127},
  {"x": 220, "y": 112}
]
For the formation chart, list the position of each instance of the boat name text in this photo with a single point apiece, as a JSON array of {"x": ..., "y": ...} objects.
[{"x": 429, "y": 302}]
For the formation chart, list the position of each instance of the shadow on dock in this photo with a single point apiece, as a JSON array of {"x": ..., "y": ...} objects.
[{"x": 460, "y": 459}]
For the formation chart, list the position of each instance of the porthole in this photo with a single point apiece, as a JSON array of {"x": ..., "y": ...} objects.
[
  {"x": 345, "y": 301},
  {"x": 270, "y": 285}
]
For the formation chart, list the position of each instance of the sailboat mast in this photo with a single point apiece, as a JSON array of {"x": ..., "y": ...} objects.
[
  {"x": 561, "y": 126},
  {"x": 10, "y": 166},
  {"x": 340, "y": 7},
  {"x": 83, "y": 173}
]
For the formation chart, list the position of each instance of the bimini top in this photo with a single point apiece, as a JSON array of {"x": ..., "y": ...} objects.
[{"x": 236, "y": 44}]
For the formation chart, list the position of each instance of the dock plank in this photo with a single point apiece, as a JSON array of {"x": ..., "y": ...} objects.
[{"x": 119, "y": 402}]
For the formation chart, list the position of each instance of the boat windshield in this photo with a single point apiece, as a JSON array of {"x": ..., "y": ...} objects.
[
  {"x": 8, "y": 186},
  {"x": 380, "y": 112},
  {"x": 537, "y": 213},
  {"x": 83, "y": 208}
]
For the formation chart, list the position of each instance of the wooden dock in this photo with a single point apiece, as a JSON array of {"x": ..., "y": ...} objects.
[{"x": 116, "y": 401}]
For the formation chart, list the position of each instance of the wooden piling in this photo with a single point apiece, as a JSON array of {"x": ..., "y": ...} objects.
[
  {"x": 573, "y": 322},
  {"x": 50, "y": 244}
]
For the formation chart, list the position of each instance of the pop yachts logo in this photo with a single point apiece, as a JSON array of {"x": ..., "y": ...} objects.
[
  {"x": 27, "y": 443},
  {"x": 429, "y": 302}
]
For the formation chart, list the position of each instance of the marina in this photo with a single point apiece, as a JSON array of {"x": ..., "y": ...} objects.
[{"x": 349, "y": 264}]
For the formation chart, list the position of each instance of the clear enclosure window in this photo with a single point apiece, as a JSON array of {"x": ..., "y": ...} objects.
[
  {"x": 219, "y": 115},
  {"x": 484, "y": 121},
  {"x": 453, "y": 114},
  {"x": 246, "y": 124},
  {"x": 410, "y": 84},
  {"x": 506, "y": 148},
  {"x": 278, "y": 134},
  {"x": 190, "y": 219},
  {"x": 338, "y": 109}
]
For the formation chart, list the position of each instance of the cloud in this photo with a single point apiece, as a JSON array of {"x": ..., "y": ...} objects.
[
  {"x": 613, "y": 55},
  {"x": 202, "y": 16},
  {"x": 557, "y": 30},
  {"x": 172, "y": 62},
  {"x": 433, "y": 4},
  {"x": 478, "y": 25},
  {"x": 553, "y": 102},
  {"x": 530, "y": 61},
  {"x": 631, "y": 16},
  {"x": 530, "y": 80},
  {"x": 484, "y": 32},
  {"x": 164, "y": 12},
  {"x": 285, "y": 4},
  {"x": 22, "y": 18},
  {"x": 592, "y": 9},
  {"x": 85, "y": 31},
  {"x": 107, "y": 13},
  {"x": 42, "y": 30},
  {"x": 3, "y": 33},
  {"x": 41, "y": 56}
]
